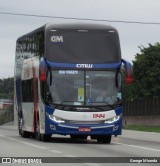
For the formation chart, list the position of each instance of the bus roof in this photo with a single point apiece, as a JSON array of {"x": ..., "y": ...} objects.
[
  {"x": 80, "y": 26},
  {"x": 67, "y": 26},
  {"x": 71, "y": 50}
]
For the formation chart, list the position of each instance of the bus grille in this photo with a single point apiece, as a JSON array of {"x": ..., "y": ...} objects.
[{"x": 84, "y": 122}]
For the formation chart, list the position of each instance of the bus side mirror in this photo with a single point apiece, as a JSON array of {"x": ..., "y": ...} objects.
[
  {"x": 118, "y": 79},
  {"x": 129, "y": 74},
  {"x": 49, "y": 72},
  {"x": 129, "y": 79}
]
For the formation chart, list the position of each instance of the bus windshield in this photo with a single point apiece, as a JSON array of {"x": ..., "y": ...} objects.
[
  {"x": 82, "y": 46},
  {"x": 82, "y": 88}
]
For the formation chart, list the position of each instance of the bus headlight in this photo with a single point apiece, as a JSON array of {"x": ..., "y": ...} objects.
[
  {"x": 56, "y": 119},
  {"x": 114, "y": 119}
]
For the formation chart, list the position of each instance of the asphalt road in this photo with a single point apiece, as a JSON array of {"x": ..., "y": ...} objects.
[{"x": 131, "y": 144}]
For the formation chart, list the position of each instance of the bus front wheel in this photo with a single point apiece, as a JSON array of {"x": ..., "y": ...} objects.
[{"x": 46, "y": 137}]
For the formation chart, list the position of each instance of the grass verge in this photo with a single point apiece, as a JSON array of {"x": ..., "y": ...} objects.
[{"x": 143, "y": 128}]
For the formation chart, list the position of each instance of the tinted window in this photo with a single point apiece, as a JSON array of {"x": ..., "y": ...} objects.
[
  {"x": 75, "y": 87},
  {"x": 82, "y": 47},
  {"x": 28, "y": 91}
]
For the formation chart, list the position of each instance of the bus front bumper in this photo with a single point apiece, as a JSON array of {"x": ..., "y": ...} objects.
[{"x": 84, "y": 129}]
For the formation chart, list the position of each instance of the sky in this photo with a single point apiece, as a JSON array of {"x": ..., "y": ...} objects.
[{"x": 131, "y": 35}]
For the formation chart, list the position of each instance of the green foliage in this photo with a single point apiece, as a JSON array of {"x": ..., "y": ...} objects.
[
  {"x": 7, "y": 88},
  {"x": 6, "y": 115},
  {"x": 146, "y": 73},
  {"x": 143, "y": 128}
]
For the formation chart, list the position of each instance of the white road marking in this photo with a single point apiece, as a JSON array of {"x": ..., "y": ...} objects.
[
  {"x": 55, "y": 151},
  {"x": 23, "y": 142},
  {"x": 35, "y": 146},
  {"x": 92, "y": 164},
  {"x": 140, "y": 147},
  {"x": 59, "y": 152}
]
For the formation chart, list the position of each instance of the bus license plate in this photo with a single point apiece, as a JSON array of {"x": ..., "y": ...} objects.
[{"x": 84, "y": 129}]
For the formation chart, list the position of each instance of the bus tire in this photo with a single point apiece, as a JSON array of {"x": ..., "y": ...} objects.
[
  {"x": 38, "y": 134},
  {"x": 104, "y": 139},
  {"x": 23, "y": 133},
  {"x": 45, "y": 137}
]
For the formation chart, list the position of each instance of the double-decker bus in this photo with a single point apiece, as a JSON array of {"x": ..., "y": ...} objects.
[{"x": 68, "y": 82}]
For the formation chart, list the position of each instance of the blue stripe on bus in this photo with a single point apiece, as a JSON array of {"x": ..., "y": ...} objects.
[{"x": 118, "y": 110}]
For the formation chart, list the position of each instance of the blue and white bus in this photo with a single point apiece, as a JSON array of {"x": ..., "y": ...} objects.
[{"x": 68, "y": 82}]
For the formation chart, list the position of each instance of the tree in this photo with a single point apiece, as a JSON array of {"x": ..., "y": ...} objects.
[
  {"x": 7, "y": 88},
  {"x": 146, "y": 73}
]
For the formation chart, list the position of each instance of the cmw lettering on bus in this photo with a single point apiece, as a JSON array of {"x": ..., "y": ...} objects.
[
  {"x": 84, "y": 65},
  {"x": 57, "y": 39}
]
